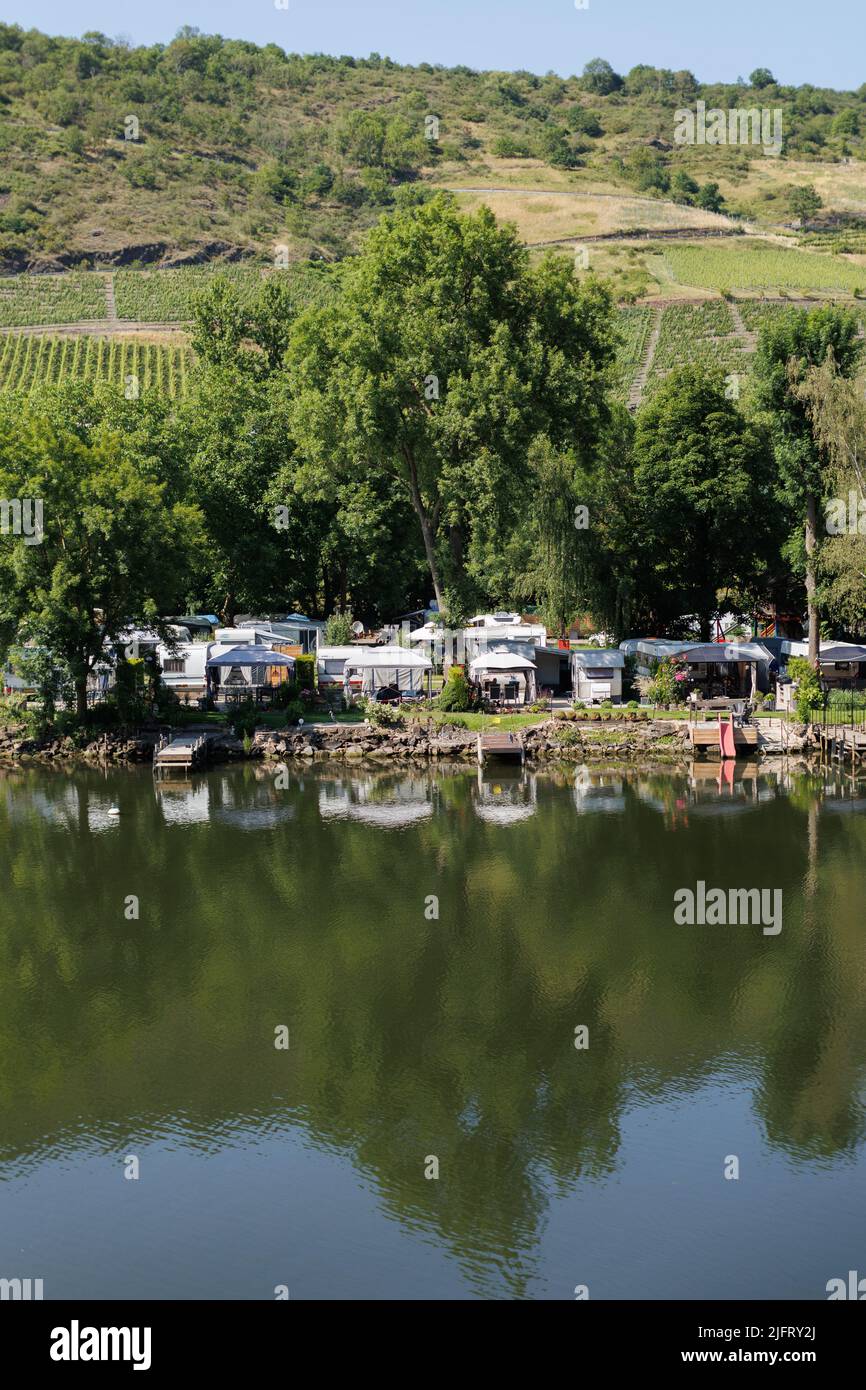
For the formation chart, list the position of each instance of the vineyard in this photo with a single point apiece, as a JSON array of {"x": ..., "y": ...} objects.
[
  {"x": 702, "y": 335},
  {"x": 762, "y": 268},
  {"x": 167, "y": 296},
  {"x": 47, "y": 299},
  {"x": 28, "y": 362},
  {"x": 634, "y": 325}
]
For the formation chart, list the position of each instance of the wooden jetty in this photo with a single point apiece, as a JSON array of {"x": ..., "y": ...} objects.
[
  {"x": 841, "y": 741},
  {"x": 722, "y": 738},
  {"x": 501, "y": 746},
  {"x": 182, "y": 752}
]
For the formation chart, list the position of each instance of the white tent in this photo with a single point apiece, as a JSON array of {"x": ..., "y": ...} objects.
[
  {"x": 374, "y": 668},
  {"x": 504, "y": 668}
]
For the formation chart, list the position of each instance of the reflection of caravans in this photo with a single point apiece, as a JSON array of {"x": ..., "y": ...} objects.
[
  {"x": 182, "y": 803},
  {"x": 388, "y": 804},
  {"x": 598, "y": 793},
  {"x": 244, "y": 803},
  {"x": 506, "y": 796}
]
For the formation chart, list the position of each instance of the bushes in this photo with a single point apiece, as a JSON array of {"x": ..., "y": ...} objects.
[
  {"x": 383, "y": 716},
  {"x": 808, "y": 697},
  {"x": 305, "y": 671},
  {"x": 457, "y": 693},
  {"x": 244, "y": 720},
  {"x": 664, "y": 688}
]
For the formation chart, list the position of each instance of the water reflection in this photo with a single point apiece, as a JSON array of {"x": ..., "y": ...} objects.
[{"x": 449, "y": 1034}]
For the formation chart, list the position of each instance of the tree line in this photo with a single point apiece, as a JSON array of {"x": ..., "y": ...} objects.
[{"x": 444, "y": 427}]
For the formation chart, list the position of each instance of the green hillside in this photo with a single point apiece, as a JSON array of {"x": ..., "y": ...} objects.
[{"x": 206, "y": 148}]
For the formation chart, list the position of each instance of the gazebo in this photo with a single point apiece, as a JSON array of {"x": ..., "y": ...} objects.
[
  {"x": 504, "y": 676},
  {"x": 247, "y": 670},
  {"x": 377, "y": 669}
]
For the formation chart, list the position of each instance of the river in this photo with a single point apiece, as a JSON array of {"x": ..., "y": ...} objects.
[{"x": 409, "y": 1034}]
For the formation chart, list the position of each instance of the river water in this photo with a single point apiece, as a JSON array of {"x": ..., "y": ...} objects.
[{"x": 430, "y": 1035}]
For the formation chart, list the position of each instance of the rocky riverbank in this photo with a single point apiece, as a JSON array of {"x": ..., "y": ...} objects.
[
  {"x": 572, "y": 740},
  {"x": 661, "y": 740},
  {"x": 112, "y": 746}
]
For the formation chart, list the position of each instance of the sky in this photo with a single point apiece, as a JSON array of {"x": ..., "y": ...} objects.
[{"x": 818, "y": 41}]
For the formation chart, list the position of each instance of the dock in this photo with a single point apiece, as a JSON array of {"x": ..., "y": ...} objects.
[
  {"x": 182, "y": 752},
  {"x": 839, "y": 742},
  {"x": 722, "y": 739},
  {"x": 500, "y": 746}
]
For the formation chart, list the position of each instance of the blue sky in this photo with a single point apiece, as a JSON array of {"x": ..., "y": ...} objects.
[{"x": 819, "y": 41}]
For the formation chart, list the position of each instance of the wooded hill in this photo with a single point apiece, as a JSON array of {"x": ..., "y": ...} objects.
[{"x": 206, "y": 148}]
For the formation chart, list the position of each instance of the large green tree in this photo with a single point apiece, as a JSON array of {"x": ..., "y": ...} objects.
[
  {"x": 788, "y": 347},
  {"x": 272, "y": 542},
  {"x": 113, "y": 547},
  {"x": 444, "y": 356},
  {"x": 836, "y": 408},
  {"x": 703, "y": 479}
]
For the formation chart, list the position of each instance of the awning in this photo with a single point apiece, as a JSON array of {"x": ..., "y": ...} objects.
[
  {"x": 251, "y": 656},
  {"x": 501, "y": 661},
  {"x": 841, "y": 652}
]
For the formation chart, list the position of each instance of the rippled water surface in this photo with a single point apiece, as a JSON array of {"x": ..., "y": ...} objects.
[{"x": 415, "y": 1037}]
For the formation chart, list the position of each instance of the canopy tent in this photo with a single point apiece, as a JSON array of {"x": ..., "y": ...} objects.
[
  {"x": 378, "y": 668},
  {"x": 257, "y": 660},
  {"x": 514, "y": 670},
  {"x": 251, "y": 656},
  {"x": 746, "y": 666}
]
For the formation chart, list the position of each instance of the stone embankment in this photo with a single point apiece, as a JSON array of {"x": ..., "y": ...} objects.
[
  {"x": 573, "y": 740},
  {"x": 108, "y": 746},
  {"x": 565, "y": 739}
]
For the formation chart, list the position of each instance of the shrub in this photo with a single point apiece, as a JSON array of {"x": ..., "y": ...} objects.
[
  {"x": 244, "y": 719},
  {"x": 568, "y": 737},
  {"x": 382, "y": 715},
  {"x": 457, "y": 693},
  {"x": 338, "y": 629},
  {"x": 305, "y": 671},
  {"x": 808, "y": 696}
]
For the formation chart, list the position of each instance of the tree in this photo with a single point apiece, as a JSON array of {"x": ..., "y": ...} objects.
[
  {"x": 599, "y": 77},
  {"x": 113, "y": 549},
  {"x": 709, "y": 198},
  {"x": 836, "y": 409},
  {"x": 703, "y": 476},
  {"x": 271, "y": 542},
  {"x": 338, "y": 629},
  {"x": 445, "y": 355},
  {"x": 787, "y": 348},
  {"x": 804, "y": 202},
  {"x": 761, "y": 77},
  {"x": 683, "y": 186}
]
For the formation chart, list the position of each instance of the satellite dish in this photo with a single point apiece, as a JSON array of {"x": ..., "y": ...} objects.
[{"x": 358, "y": 629}]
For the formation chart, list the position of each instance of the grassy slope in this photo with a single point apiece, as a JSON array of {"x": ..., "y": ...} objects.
[{"x": 250, "y": 148}]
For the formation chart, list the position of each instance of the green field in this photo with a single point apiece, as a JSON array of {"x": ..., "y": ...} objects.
[
  {"x": 167, "y": 296},
  {"x": 45, "y": 299},
  {"x": 27, "y": 362},
  {"x": 761, "y": 268}
]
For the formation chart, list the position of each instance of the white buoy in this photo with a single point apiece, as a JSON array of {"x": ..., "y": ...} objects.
[{"x": 114, "y": 810}]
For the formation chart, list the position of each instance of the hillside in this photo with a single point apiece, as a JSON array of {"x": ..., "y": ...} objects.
[{"x": 208, "y": 149}]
